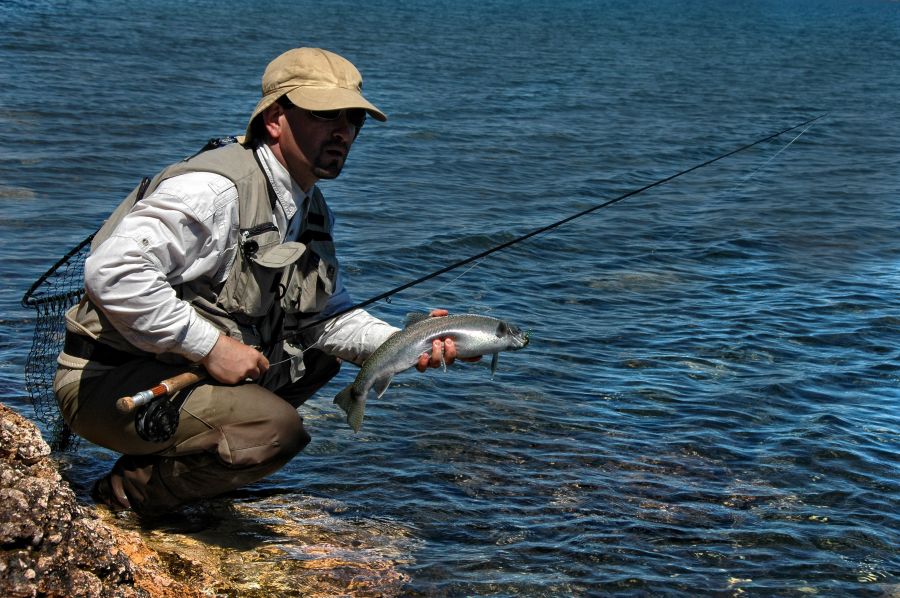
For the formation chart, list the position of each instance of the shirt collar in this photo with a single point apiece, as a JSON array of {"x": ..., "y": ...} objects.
[{"x": 288, "y": 193}]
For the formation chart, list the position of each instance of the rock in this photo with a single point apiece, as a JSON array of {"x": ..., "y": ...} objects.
[
  {"x": 287, "y": 544},
  {"x": 52, "y": 546}
]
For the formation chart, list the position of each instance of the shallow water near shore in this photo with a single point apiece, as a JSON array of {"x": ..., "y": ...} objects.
[{"x": 709, "y": 403}]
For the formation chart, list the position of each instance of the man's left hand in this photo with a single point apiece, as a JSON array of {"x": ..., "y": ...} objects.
[{"x": 439, "y": 346}]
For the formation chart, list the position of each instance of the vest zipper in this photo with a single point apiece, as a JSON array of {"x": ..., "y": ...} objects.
[
  {"x": 249, "y": 247},
  {"x": 259, "y": 228}
]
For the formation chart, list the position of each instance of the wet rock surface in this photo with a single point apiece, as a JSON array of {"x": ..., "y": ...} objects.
[{"x": 52, "y": 546}]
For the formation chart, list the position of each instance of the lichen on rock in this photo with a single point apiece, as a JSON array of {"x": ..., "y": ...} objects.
[{"x": 52, "y": 546}]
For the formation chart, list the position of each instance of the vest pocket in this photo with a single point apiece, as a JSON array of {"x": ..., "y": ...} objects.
[
  {"x": 310, "y": 281},
  {"x": 300, "y": 276},
  {"x": 257, "y": 284}
]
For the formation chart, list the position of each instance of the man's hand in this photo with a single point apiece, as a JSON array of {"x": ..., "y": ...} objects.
[
  {"x": 231, "y": 361},
  {"x": 439, "y": 346}
]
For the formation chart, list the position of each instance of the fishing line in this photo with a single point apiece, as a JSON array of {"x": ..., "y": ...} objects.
[
  {"x": 544, "y": 229},
  {"x": 742, "y": 181},
  {"x": 766, "y": 163},
  {"x": 736, "y": 186},
  {"x": 548, "y": 227},
  {"x": 443, "y": 286}
]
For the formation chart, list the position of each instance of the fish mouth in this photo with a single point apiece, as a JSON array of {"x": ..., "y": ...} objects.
[{"x": 524, "y": 339}]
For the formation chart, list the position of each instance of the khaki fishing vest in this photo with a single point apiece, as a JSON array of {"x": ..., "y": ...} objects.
[{"x": 271, "y": 285}]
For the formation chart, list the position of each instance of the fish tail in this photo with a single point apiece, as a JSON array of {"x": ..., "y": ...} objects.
[{"x": 353, "y": 405}]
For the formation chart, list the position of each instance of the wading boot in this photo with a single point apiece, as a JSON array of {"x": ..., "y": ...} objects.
[{"x": 109, "y": 491}]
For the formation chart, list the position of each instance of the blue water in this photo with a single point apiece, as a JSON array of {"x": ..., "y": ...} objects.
[{"x": 709, "y": 405}]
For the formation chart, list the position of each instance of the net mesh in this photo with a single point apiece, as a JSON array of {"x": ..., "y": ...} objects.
[{"x": 51, "y": 296}]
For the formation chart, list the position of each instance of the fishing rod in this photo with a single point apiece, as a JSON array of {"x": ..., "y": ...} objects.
[
  {"x": 168, "y": 387},
  {"x": 544, "y": 229}
]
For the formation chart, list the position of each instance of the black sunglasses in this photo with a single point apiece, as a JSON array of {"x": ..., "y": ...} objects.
[{"x": 355, "y": 116}]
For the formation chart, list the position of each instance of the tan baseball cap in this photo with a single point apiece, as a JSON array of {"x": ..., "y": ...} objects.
[{"x": 313, "y": 79}]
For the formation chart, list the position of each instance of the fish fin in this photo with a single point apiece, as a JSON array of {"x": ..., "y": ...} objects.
[
  {"x": 381, "y": 384},
  {"x": 353, "y": 405},
  {"x": 494, "y": 360},
  {"x": 355, "y": 417},
  {"x": 415, "y": 317},
  {"x": 344, "y": 398}
]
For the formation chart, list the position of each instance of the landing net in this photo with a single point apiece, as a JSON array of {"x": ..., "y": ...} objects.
[{"x": 51, "y": 296}]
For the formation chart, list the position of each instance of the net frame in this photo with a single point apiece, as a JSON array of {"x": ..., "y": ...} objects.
[{"x": 51, "y": 295}]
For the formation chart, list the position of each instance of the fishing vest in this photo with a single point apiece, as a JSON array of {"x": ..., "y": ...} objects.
[{"x": 272, "y": 285}]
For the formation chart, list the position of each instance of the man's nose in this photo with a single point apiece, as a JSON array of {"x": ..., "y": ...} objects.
[{"x": 344, "y": 129}]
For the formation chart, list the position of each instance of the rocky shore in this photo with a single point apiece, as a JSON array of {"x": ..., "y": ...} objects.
[
  {"x": 283, "y": 545},
  {"x": 52, "y": 546}
]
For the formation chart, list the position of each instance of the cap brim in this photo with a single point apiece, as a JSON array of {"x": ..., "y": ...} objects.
[
  {"x": 312, "y": 98},
  {"x": 332, "y": 98},
  {"x": 263, "y": 103}
]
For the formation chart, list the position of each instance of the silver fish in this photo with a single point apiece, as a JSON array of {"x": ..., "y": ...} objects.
[{"x": 473, "y": 335}]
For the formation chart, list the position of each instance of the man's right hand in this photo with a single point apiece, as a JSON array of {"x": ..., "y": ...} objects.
[{"x": 231, "y": 361}]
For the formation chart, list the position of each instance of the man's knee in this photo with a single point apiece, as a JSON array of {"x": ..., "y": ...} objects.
[
  {"x": 253, "y": 427},
  {"x": 274, "y": 434},
  {"x": 239, "y": 448},
  {"x": 292, "y": 436}
]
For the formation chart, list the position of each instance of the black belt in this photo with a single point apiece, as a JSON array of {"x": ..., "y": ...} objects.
[{"x": 85, "y": 347}]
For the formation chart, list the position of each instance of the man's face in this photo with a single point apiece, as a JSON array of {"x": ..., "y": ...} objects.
[{"x": 311, "y": 147}]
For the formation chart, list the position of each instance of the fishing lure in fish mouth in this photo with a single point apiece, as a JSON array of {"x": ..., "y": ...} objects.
[{"x": 474, "y": 335}]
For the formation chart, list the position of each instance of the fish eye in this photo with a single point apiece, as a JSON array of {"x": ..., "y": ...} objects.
[{"x": 502, "y": 329}]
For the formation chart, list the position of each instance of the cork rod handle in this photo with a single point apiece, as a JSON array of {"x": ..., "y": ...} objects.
[{"x": 166, "y": 387}]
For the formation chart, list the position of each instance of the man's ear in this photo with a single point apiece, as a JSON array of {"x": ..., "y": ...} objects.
[{"x": 272, "y": 121}]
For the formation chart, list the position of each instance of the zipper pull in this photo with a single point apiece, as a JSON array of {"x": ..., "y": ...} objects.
[{"x": 248, "y": 247}]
